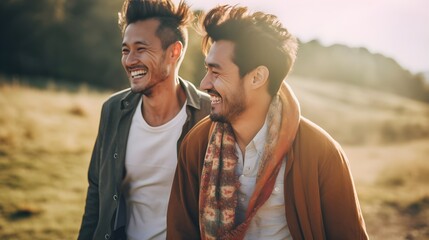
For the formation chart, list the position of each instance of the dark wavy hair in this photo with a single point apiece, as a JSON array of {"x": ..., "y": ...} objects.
[
  {"x": 173, "y": 20},
  {"x": 259, "y": 40}
]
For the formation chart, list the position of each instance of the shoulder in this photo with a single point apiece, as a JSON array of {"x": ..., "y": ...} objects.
[
  {"x": 315, "y": 144},
  {"x": 199, "y": 133},
  {"x": 318, "y": 153},
  {"x": 116, "y": 98},
  {"x": 196, "y": 140},
  {"x": 313, "y": 136},
  {"x": 118, "y": 102},
  {"x": 193, "y": 148}
]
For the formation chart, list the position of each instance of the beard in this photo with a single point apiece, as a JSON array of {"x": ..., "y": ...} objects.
[
  {"x": 232, "y": 110},
  {"x": 157, "y": 76},
  {"x": 218, "y": 118}
]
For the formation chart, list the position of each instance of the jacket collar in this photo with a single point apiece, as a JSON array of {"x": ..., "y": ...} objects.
[
  {"x": 193, "y": 99},
  {"x": 290, "y": 122},
  {"x": 130, "y": 100}
]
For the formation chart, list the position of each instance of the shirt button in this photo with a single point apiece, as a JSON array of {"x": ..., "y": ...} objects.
[
  {"x": 115, "y": 156},
  {"x": 115, "y": 197},
  {"x": 277, "y": 189},
  {"x": 242, "y": 199},
  {"x": 126, "y": 103},
  {"x": 107, "y": 236}
]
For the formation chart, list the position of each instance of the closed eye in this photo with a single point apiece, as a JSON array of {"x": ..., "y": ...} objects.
[
  {"x": 125, "y": 51},
  {"x": 209, "y": 69}
]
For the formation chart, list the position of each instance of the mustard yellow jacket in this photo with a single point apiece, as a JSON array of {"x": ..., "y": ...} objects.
[{"x": 320, "y": 196}]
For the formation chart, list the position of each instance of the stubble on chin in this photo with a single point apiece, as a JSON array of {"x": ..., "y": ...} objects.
[
  {"x": 218, "y": 118},
  {"x": 145, "y": 91},
  {"x": 234, "y": 111}
]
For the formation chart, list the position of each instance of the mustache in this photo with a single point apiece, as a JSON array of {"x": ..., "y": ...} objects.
[
  {"x": 213, "y": 92},
  {"x": 138, "y": 67}
]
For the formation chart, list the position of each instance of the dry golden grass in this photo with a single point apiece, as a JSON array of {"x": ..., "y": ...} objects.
[
  {"x": 393, "y": 186},
  {"x": 46, "y": 137},
  {"x": 45, "y": 141}
]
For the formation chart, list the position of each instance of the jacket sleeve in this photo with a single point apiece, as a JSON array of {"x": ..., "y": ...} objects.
[
  {"x": 90, "y": 216},
  {"x": 341, "y": 211}
]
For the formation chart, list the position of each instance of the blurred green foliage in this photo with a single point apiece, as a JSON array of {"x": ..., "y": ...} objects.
[
  {"x": 76, "y": 41},
  {"x": 71, "y": 40}
]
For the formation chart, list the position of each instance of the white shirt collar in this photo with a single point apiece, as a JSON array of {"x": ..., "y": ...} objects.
[{"x": 258, "y": 142}]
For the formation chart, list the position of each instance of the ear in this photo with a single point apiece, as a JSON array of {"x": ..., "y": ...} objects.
[
  {"x": 175, "y": 50},
  {"x": 259, "y": 77}
]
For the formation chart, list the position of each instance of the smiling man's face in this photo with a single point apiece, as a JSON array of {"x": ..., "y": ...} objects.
[
  {"x": 143, "y": 57},
  {"x": 223, "y": 83}
]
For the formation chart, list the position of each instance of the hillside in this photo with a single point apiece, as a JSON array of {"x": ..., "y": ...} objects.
[
  {"x": 46, "y": 136},
  {"x": 360, "y": 67},
  {"x": 360, "y": 115},
  {"x": 425, "y": 76}
]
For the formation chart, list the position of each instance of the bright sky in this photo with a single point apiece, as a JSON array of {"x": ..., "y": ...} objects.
[{"x": 395, "y": 28}]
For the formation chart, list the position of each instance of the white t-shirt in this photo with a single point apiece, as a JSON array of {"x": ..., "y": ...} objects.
[
  {"x": 270, "y": 220},
  {"x": 150, "y": 162}
]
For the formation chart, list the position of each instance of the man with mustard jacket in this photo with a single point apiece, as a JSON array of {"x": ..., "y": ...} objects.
[{"x": 257, "y": 169}]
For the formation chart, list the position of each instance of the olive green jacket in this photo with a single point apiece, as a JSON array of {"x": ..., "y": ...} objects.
[{"x": 105, "y": 210}]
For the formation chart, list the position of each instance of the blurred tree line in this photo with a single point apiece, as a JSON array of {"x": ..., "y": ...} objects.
[
  {"x": 71, "y": 40},
  {"x": 79, "y": 41}
]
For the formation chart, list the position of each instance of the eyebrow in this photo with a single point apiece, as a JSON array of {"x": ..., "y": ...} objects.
[
  {"x": 136, "y": 43},
  {"x": 213, "y": 65}
]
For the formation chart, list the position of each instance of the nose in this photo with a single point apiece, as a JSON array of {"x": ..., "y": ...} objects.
[
  {"x": 130, "y": 59},
  {"x": 206, "y": 82}
]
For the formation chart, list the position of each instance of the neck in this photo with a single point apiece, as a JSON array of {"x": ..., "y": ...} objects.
[
  {"x": 248, "y": 124},
  {"x": 164, "y": 103}
]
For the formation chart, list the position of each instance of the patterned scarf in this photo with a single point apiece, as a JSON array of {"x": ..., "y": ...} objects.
[{"x": 220, "y": 185}]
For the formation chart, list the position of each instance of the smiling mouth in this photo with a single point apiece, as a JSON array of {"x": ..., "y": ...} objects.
[
  {"x": 214, "y": 96},
  {"x": 138, "y": 73},
  {"x": 215, "y": 99}
]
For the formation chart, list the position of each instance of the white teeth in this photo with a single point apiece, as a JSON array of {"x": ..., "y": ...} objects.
[
  {"x": 215, "y": 99},
  {"x": 138, "y": 73}
]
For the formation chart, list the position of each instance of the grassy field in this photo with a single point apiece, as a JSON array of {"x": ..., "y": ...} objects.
[{"x": 46, "y": 137}]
